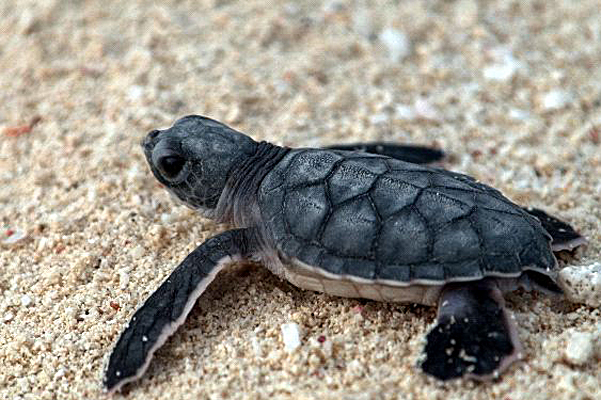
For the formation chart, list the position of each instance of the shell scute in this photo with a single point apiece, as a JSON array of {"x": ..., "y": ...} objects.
[
  {"x": 391, "y": 195},
  {"x": 309, "y": 166},
  {"x": 313, "y": 201},
  {"x": 439, "y": 209},
  {"x": 351, "y": 229},
  {"x": 397, "y": 273},
  {"x": 463, "y": 270},
  {"x": 360, "y": 268},
  {"x": 332, "y": 263},
  {"x": 349, "y": 180},
  {"x": 404, "y": 238},
  {"x": 457, "y": 241}
]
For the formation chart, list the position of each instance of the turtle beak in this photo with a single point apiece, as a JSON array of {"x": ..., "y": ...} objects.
[
  {"x": 149, "y": 143},
  {"x": 150, "y": 140}
]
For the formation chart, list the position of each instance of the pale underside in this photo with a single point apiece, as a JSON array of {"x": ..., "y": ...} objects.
[{"x": 417, "y": 291}]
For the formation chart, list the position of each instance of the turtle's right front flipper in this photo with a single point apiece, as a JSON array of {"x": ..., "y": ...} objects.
[
  {"x": 475, "y": 335},
  {"x": 408, "y": 153},
  {"x": 166, "y": 309}
]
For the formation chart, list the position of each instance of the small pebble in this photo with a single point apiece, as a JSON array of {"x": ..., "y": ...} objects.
[
  {"x": 327, "y": 348},
  {"x": 26, "y": 22},
  {"x": 26, "y": 300},
  {"x": 404, "y": 112},
  {"x": 396, "y": 43},
  {"x": 556, "y": 99},
  {"x": 123, "y": 279},
  {"x": 582, "y": 283},
  {"x": 167, "y": 218},
  {"x": 377, "y": 119},
  {"x": 580, "y": 348},
  {"x": 92, "y": 194},
  {"x": 60, "y": 373},
  {"x": 8, "y": 317},
  {"x": 518, "y": 115},
  {"x": 356, "y": 369},
  {"x": 256, "y": 346},
  {"x": 291, "y": 336},
  {"x": 137, "y": 252},
  {"x": 71, "y": 312},
  {"x": 500, "y": 72},
  {"x": 14, "y": 236},
  {"x": 425, "y": 110},
  {"x": 504, "y": 67},
  {"x": 135, "y": 92}
]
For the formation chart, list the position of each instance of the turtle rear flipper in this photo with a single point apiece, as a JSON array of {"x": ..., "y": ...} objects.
[
  {"x": 407, "y": 153},
  {"x": 475, "y": 336},
  {"x": 167, "y": 308},
  {"x": 564, "y": 235}
]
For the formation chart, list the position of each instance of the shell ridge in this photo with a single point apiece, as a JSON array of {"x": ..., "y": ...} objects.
[
  {"x": 326, "y": 182},
  {"x": 376, "y": 242}
]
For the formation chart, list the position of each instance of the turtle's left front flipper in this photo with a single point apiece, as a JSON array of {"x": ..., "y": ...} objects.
[
  {"x": 166, "y": 309},
  {"x": 475, "y": 335},
  {"x": 409, "y": 153}
]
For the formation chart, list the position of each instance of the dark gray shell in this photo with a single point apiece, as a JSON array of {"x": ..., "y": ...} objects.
[{"x": 377, "y": 218}]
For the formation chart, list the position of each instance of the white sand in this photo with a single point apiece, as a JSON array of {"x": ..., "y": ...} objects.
[{"x": 511, "y": 89}]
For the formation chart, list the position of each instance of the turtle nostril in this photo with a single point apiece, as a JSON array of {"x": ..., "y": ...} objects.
[
  {"x": 170, "y": 166},
  {"x": 153, "y": 134},
  {"x": 148, "y": 141}
]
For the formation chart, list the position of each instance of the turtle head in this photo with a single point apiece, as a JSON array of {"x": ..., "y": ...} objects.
[{"x": 194, "y": 158}]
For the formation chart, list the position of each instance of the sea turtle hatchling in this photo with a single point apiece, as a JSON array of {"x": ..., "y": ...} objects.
[{"x": 354, "y": 224}]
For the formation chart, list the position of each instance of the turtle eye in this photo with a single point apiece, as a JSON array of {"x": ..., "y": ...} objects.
[{"x": 170, "y": 166}]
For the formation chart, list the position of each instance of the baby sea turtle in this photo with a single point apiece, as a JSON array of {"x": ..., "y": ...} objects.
[{"x": 355, "y": 224}]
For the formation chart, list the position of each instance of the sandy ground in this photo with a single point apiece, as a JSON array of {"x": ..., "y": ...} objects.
[{"x": 511, "y": 89}]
